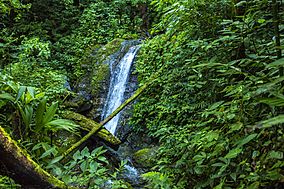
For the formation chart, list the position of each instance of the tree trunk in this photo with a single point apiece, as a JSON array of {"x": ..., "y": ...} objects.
[
  {"x": 88, "y": 124},
  {"x": 17, "y": 164}
]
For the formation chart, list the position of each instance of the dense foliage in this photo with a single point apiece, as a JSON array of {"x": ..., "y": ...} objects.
[
  {"x": 214, "y": 109},
  {"x": 216, "y": 106},
  {"x": 46, "y": 48}
]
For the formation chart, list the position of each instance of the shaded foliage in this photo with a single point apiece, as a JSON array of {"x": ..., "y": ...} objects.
[{"x": 218, "y": 83}]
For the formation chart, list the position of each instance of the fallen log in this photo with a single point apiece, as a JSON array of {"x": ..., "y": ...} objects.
[
  {"x": 113, "y": 114},
  {"x": 18, "y": 165},
  {"x": 88, "y": 124}
]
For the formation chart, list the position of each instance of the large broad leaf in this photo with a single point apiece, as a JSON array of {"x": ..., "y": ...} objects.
[
  {"x": 27, "y": 114},
  {"x": 93, "y": 166},
  {"x": 50, "y": 113},
  {"x": 271, "y": 122},
  {"x": 62, "y": 124},
  {"x": 30, "y": 95},
  {"x": 31, "y": 91},
  {"x": 40, "y": 115}
]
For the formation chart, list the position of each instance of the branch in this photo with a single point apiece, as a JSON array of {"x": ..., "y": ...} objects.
[
  {"x": 88, "y": 124},
  {"x": 101, "y": 124}
]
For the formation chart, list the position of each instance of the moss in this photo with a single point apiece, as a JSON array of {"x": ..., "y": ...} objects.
[
  {"x": 100, "y": 75},
  {"x": 109, "y": 49},
  {"x": 145, "y": 157},
  {"x": 11, "y": 147},
  {"x": 129, "y": 36},
  {"x": 88, "y": 125}
]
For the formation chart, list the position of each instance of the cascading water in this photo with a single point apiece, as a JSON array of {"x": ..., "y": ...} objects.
[
  {"x": 118, "y": 83},
  {"x": 115, "y": 97}
]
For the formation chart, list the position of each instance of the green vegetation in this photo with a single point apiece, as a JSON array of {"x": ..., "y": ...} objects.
[
  {"x": 211, "y": 73},
  {"x": 216, "y": 108}
]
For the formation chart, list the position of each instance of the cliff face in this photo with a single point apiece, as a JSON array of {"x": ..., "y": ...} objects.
[{"x": 91, "y": 90}]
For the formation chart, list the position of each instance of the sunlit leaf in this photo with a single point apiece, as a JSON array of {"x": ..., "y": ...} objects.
[{"x": 233, "y": 153}]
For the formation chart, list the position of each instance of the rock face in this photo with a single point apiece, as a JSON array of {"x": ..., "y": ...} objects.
[{"x": 91, "y": 90}]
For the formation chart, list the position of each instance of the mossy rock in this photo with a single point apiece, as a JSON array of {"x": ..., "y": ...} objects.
[
  {"x": 109, "y": 49},
  {"x": 146, "y": 157}
]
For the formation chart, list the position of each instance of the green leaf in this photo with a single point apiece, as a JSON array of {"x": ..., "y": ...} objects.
[
  {"x": 235, "y": 127},
  {"x": 233, "y": 176},
  {"x": 38, "y": 146},
  {"x": 240, "y": 3},
  {"x": 245, "y": 140},
  {"x": 219, "y": 186},
  {"x": 218, "y": 164},
  {"x": 77, "y": 155},
  {"x": 66, "y": 178},
  {"x": 40, "y": 115},
  {"x": 55, "y": 160},
  {"x": 233, "y": 153},
  {"x": 261, "y": 21},
  {"x": 272, "y": 101},
  {"x": 31, "y": 91},
  {"x": 63, "y": 124},
  {"x": 7, "y": 96},
  {"x": 274, "y": 175},
  {"x": 21, "y": 91},
  {"x": 95, "y": 151},
  {"x": 213, "y": 135},
  {"x": 215, "y": 105},
  {"x": 84, "y": 166},
  {"x": 271, "y": 122},
  {"x": 102, "y": 159},
  {"x": 50, "y": 113},
  {"x": 48, "y": 152},
  {"x": 275, "y": 155},
  {"x": 279, "y": 62},
  {"x": 85, "y": 152},
  {"x": 26, "y": 113},
  {"x": 93, "y": 166}
]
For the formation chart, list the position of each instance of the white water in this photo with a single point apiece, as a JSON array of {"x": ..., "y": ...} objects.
[
  {"x": 118, "y": 83},
  {"x": 131, "y": 173}
]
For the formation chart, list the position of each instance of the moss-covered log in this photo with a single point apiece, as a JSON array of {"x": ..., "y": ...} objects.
[
  {"x": 17, "y": 164},
  {"x": 101, "y": 124},
  {"x": 88, "y": 124}
]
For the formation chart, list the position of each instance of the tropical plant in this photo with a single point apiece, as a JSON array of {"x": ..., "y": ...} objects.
[
  {"x": 87, "y": 169},
  {"x": 216, "y": 107},
  {"x": 36, "y": 117},
  {"x": 6, "y": 182}
]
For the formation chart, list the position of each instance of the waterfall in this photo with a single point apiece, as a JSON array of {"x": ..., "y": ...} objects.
[{"x": 118, "y": 81}]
